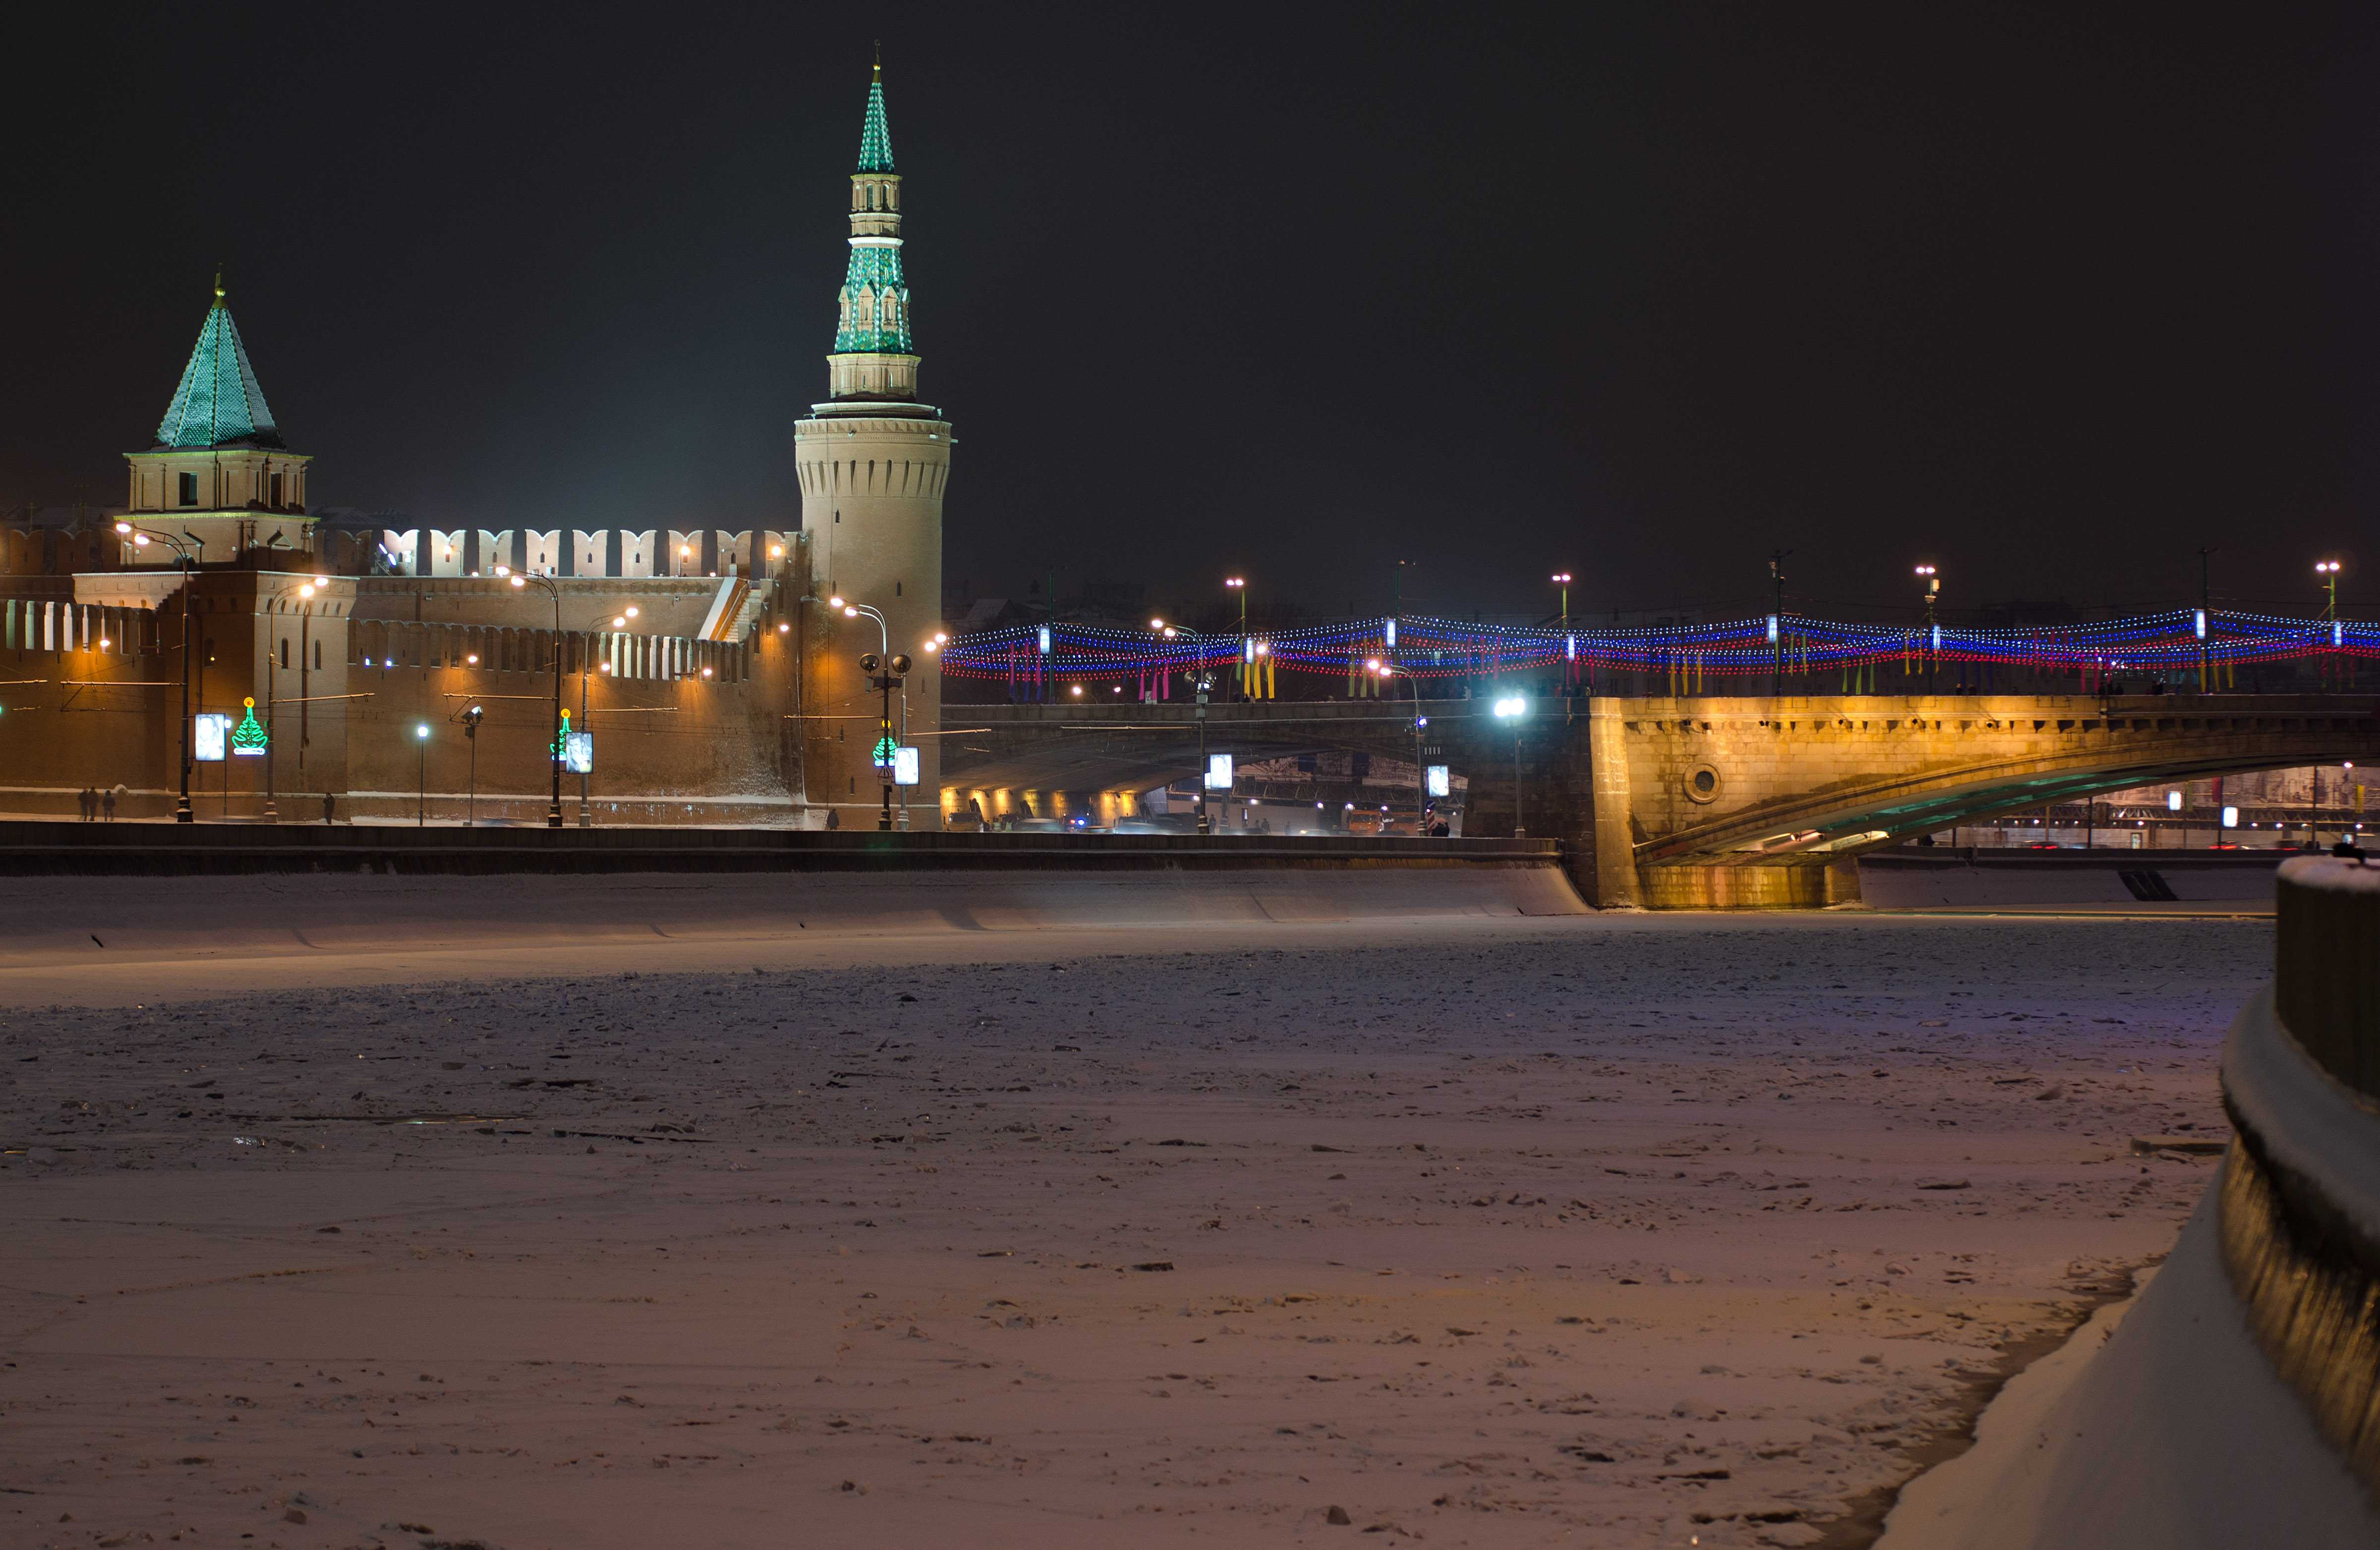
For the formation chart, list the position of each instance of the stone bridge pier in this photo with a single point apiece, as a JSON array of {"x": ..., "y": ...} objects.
[{"x": 1715, "y": 802}]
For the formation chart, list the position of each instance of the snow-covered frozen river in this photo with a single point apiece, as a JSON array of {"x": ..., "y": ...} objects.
[{"x": 1641, "y": 1230}]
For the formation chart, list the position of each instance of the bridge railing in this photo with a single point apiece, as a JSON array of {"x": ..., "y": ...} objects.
[{"x": 2211, "y": 642}]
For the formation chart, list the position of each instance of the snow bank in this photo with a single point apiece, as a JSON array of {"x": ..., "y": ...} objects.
[{"x": 91, "y": 916}]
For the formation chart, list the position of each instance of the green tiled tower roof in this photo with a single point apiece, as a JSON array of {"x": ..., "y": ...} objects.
[
  {"x": 875, "y": 298},
  {"x": 218, "y": 403},
  {"x": 875, "y": 139}
]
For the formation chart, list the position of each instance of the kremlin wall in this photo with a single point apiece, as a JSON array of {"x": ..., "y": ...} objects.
[{"x": 718, "y": 683}]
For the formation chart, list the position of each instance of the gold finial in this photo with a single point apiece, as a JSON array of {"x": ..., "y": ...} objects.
[
  {"x": 219, "y": 290},
  {"x": 880, "y": 56}
]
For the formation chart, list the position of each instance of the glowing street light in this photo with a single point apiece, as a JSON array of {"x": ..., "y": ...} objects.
[
  {"x": 1561, "y": 579},
  {"x": 555, "y": 753},
  {"x": 422, "y": 773},
  {"x": 183, "y": 555},
  {"x": 1933, "y": 594},
  {"x": 1515, "y": 708},
  {"x": 2328, "y": 571}
]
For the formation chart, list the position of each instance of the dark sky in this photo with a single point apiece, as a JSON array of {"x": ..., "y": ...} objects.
[{"x": 2047, "y": 298}]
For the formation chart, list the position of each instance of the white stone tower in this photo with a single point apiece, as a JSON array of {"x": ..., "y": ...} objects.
[{"x": 873, "y": 462}]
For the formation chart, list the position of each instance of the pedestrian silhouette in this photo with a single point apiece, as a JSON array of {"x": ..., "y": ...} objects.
[{"x": 107, "y": 801}]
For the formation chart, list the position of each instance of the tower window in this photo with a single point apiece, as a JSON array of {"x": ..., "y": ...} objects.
[
  {"x": 190, "y": 489},
  {"x": 317, "y": 656},
  {"x": 285, "y": 653},
  {"x": 276, "y": 490}
]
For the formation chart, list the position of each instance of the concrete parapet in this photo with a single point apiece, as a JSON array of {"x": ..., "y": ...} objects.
[
  {"x": 37, "y": 849},
  {"x": 2237, "y": 1401}
]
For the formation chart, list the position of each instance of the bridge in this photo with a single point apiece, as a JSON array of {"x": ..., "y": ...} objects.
[{"x": 1675, "y": 803}]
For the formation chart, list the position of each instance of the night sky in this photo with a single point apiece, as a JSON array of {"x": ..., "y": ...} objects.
[{"x": 2047, "y": 299}]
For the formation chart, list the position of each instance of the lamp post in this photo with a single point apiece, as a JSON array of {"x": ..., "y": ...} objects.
[
  {"x": 1240, "y": 584},
  {"x": 1202, "y": 681},
  {"x": 189, "y": 564},
  {"x": 1421, "y": 771},
  {"x": 1777, "y": 624},
  {"x": 892, "y": 667},
  {"x": 422, "y": 773},
  {"x": 586, "y": 818},
  {"x": 553, "y": 805},
  {"x": 1513, "y": 708},
  {"x": 1561, "y": 579},
  {"x": 2328, "y": 571},
  {"x": 470, "y": 720},
  {"x": 1933, "y": 592},
  {"x": 2205, "y": 613}
]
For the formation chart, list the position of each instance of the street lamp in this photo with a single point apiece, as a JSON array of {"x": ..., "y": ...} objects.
[
  {"x": 470, "y": 719},
  {"x": 1933, "y": 594},
  {"x": 189, "y": 564},
  {"x": 1203, "y": 681},
  {"x": 553, "y": 806},
  {"x": 1777, "y": 623},
  {"x": 422, "y": 773},
  {"x": 1561, "y": 579},
  {"x": 1240, "y": 584},
  {"x": 893, "y": 669},
  {"x": 2328, "y": 571},
  {"x": 1513, "y": 709}
]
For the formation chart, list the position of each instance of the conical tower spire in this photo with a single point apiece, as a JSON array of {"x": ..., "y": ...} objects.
[
  {"x": 218, "y": 403},
  {"x": 874, "y": 356},
  {"x": 875, "y": 139}
]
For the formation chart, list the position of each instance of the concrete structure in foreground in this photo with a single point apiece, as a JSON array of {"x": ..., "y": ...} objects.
[
  {"x": 2237, "y": 1401},
  {"x": 1690, "y": 803},
  {"x": 47, "y": 849}
]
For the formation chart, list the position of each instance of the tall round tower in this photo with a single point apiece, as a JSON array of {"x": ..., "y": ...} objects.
[{"x": 873, "y": 462}]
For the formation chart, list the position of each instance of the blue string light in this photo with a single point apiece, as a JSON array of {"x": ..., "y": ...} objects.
[{"x": 1440, "y": 648}]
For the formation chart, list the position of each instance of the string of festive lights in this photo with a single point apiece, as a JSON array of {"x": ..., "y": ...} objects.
[{"x": 2180, "y": 640}]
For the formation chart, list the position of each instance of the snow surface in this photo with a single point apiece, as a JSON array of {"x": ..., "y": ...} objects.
[
  {"x": 2338, "y": 874},
  {"x": 1625, "y": 1230}
]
